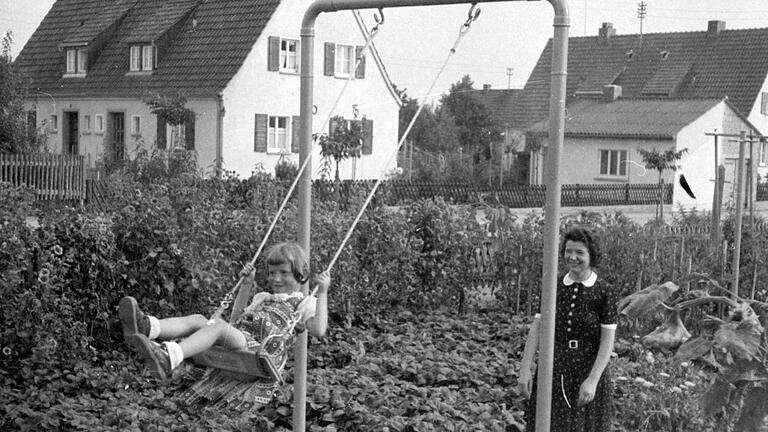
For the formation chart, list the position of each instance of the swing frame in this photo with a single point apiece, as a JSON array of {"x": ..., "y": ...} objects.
[{"x": 552, "y": 218}]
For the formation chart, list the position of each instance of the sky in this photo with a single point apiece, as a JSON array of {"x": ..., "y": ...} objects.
[{"x": 501, "y": 47}]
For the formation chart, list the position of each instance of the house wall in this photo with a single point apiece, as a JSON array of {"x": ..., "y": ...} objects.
[
  {"x": 254, "y": 90},
  {"x": 698, "y": 163},
  {"x": 580, "y": 161},
  {"x": 92, "y": 143},
  {"x": 760, "y": 121}
]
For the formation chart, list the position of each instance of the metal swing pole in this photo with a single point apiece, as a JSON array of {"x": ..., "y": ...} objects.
[{"x": 552, "y": 218}]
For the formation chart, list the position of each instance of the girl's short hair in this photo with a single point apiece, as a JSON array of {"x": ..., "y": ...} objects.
[
  {"x": 588, "y": 238},
  {"x": 293, "y": 254}
]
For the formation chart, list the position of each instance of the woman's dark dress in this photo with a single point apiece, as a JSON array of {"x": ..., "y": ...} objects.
[{"x": 580, "y": 311}]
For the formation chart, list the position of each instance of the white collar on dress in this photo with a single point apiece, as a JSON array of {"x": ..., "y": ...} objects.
[{"x": 588, "y": 282}]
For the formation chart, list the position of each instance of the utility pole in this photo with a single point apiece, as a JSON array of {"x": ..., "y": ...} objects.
[
  {"x": 510, "y": 71},
  {"x": 641, "y": 14}
]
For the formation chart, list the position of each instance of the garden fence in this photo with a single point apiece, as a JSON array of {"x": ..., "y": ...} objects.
[
  {"x": 401, "y": 192},
  {"x": 51, "y": 176},
  {"x": 761, "y": 192}
]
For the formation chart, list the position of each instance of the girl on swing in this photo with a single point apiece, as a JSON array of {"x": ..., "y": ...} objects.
[{"x": 287, "y": 270}]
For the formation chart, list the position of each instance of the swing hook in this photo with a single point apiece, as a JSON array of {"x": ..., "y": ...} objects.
[
  {"x": 472, "y": 15},
  {"x": 379, "y": 18}
]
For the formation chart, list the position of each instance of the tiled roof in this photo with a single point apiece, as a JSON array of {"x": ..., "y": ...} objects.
[
  {"x": 733, "y": 64},
  {"x": 630, "y": 118},
  {"x": 165, "y": 16},
  {"x": 500, "y": 102},
  {"x": 88, "y": 29},
  {"x": 199, "y": 61}
]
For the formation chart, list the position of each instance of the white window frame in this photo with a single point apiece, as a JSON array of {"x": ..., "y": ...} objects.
[
  {"x": 147, "y": 58},
  {"x": 76, "y": 63},
  {"x": 87, "y": 126},
  {"x": 763, "y": 153},
  {"x": 286, "y": 55},
  {"x": 275, "y": 133},
  {"x": 99, "y": 124},
  {"x": 135, "y": 61},
  {"x": 345, "y": 59},
  {"x": 71, "y": 62},
  {"x": 142, "y": 58},
  {"x": 620, "y": 168},
  {"x": 82, "y": 61},
  {"x": 135, "y": 125},
  {"x": 54, "y": 123}
]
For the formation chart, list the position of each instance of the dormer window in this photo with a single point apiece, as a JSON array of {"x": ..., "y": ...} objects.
[
  {"x": 142, "y": 58},
  {"x": 664, "y": 55},
  {"x": 77, "y": 62}
]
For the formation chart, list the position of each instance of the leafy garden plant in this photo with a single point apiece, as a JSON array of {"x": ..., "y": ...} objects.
[{"x": 731, "y": 348}]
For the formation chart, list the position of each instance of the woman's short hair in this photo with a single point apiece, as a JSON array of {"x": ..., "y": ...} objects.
[
  {"x": 292, "y": 254},
  {"x": 588, "y": 238}
]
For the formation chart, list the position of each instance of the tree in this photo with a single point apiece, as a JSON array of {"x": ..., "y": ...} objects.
[
  {"x": 345, "y": 141},
  {"x": 17, "y": 134},
  {"x": 661, "y": 161},
  {"x": 477, "y": 129}
]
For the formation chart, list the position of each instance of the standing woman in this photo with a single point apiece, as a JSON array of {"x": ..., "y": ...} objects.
[{"x": 585, "y": 325}]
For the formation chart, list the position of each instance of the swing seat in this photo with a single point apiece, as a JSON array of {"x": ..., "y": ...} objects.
[{"x": 244, "y": 365}]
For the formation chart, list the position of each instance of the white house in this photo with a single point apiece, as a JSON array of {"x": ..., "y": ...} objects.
[
  {"x": 721, "y": 65},
  {"x": 237, "y": 63},
  {"x": 603, "y": 139}
]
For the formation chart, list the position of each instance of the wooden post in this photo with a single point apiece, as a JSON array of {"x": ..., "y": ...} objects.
[
  {"x": 661, "y": 201},
  {"x": 640, "y": 276},
  {"x": 690, "y": 267},
  {"x": 739, "y": 211},
  {"x": 519, "y": 278},
  {"x": 717, "y": 204}
]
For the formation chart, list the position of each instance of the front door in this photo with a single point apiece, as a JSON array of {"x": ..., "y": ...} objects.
[
  {"x": 118, "y": 136},
  {"x": 71, "y": 137}
]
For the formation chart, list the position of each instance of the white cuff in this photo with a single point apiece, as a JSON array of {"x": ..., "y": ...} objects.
[{"x": 608, "y": 326}]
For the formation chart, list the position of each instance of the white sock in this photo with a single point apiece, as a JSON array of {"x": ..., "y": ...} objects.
[
  {"x": 154, "y": 327},
  {"x": 175, "y": 354}
]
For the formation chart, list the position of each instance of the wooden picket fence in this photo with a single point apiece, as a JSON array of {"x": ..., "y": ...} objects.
[
  {"x": 572, "y": 195},
  {"x": 761, "y": 192},
  {"x": 51, "y": 176}
]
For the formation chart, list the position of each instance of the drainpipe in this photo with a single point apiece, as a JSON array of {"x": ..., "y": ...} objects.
[
  {"x": 552, "y": 218},
  {"x": 218, "y": 160}
]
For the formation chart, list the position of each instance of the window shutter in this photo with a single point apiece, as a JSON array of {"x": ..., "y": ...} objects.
[
  {"x": 162, "y": 138},
  {"x": 273, "y": 53},
  {"x": 260, "y": 133},
  {"x": 333, "y": 124},
  {"x": 360, "y": 54},
  {"x": 367, "y": 136},
  {"x": 189, "y": 131},
  {"x": 296, "y": 134},
  {"x": 32, "y": 124},
  {"x": 330, "y": 58}
]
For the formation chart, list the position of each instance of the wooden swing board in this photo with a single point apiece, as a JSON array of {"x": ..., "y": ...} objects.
[{"x": 244, "y": 364}]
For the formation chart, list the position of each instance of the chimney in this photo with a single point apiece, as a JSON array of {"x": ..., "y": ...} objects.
[
  {"x": 606, "y": 31},
  {"x": 611, "y": 93},
  {"x": 714, "y": 28},
  {"x": 486, "y": 86}
]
